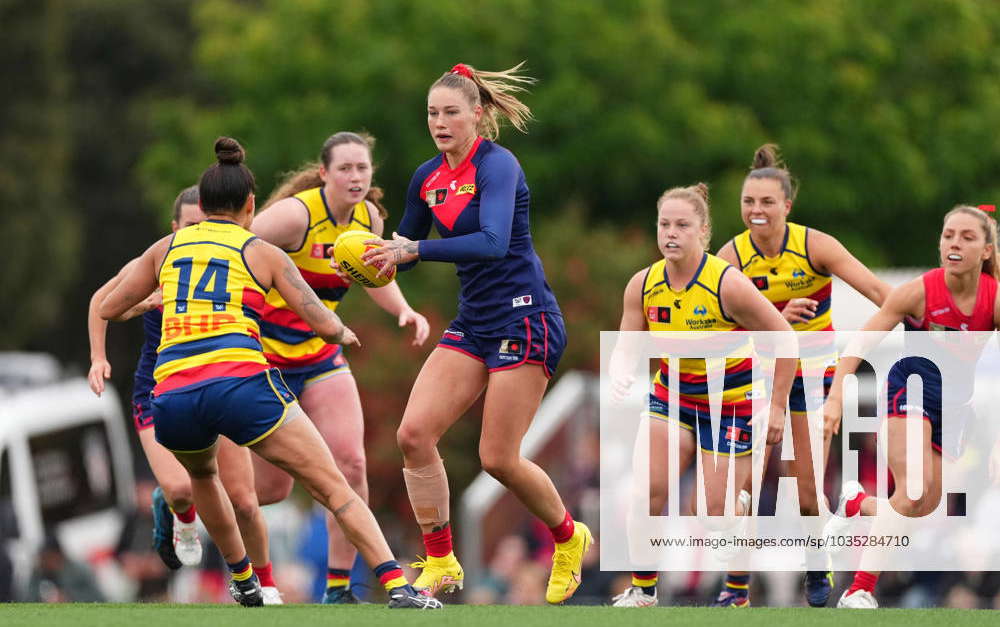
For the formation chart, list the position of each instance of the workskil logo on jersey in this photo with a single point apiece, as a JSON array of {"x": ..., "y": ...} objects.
[{"x": 522, "y": 301}]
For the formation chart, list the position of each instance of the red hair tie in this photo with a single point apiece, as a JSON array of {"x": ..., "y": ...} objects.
[
  {"x": 462, "y": 69},
  {"x": 990, "y": 208}
]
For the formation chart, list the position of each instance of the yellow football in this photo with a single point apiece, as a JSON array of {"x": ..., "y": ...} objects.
[{"x": 347, "y": 251}]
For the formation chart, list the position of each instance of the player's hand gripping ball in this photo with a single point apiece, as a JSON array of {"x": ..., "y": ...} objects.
[{"x": 347, "y": 251}]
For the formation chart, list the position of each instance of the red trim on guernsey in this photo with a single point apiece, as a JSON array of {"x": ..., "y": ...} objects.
[
  {"x": 284, "y": 363},
  {"x": 819, "y": 295},
  {"x": 464, "y": 352},
  {"x": 527, "y": 350},
  {"x": 739, "y": 408},
  {"x": 253, "y": 299},
  {"x": 743, "y": 366},
  {"x": 198, "y": 374},
  {"x": 284, "y": 318}
]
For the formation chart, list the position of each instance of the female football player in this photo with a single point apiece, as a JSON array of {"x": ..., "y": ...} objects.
[
  {"x": 175, "y": 533},
  {"x": 961, "y": 295},
  {"x": 509, "y": 334},
  {"x": 691, "y": 290},
  {"x": 793, "y": 266},
  {"x": 212, "y": 377},
  {"x": 304, "y": 217}
]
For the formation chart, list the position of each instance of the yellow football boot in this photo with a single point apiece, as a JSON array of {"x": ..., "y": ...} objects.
[
  {"x": 439, "y": 574},
  {"x": 566, "y": 564}
]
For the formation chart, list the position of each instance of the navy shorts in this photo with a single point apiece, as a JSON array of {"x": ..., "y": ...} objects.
[
  {"x": 799, "y": 402},
  {"x": 244, "y": 409},
  {"x": 536, "y": 339},
  {"x": 931, "y": 407},
  {"x": 142, "y": 413},
  {"x": 298, "y": 379},
  {"x": 734, "y": 437}
]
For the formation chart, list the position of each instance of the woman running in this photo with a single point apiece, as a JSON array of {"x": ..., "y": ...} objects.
[
  {"x": 304, "y": 217},
  {"x": 691, "y": 290},
  {"x": 212, "y": 377},
  {"x": 175, "y": 532},
  {"x": 961, "y": 295},
  {"x": 793, "y": 266},
  {"x": 509, "y": 334}
]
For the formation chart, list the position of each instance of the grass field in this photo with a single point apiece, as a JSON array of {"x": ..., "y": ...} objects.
[{"x": 155, "y": 615}]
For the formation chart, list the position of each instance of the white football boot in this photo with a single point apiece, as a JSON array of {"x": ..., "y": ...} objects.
[
  {"x": 839, "y": 524},
  {"x": 634, "y": 597},
  {"x": 858, "y": 600},
  {"x": 187, "y": 544}
]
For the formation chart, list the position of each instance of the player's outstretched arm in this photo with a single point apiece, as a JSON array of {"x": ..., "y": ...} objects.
[{"x": 832, "y": 257}]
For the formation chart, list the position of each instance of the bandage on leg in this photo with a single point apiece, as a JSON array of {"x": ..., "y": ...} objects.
[{"x": 427, "y": 487}]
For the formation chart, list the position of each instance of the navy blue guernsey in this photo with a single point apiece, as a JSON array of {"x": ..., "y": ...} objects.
[
  {"x": 480, "y": 209},
  {"x": 143, "y": 384}
]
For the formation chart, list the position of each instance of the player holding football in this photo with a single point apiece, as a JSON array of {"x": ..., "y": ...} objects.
[
  {"x": 175, "y": 533},
  {"x": 304, "y": 217},
  {"x": 793, "y": 266},
  {"x": 961, "y": 295},
  {"x": 212, "y": 377},
  {"x": 691, "y": 290},
  {"x": 509, "y": 334}
]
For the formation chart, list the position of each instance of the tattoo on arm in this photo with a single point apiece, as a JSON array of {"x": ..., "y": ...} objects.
[
  {"x": 311, "y": 304},
  {"x": 398, "y": 250},
  {"x": 343, "y": 508}
]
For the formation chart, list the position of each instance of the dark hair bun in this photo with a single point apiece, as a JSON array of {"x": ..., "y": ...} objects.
[{"x": 228, "y": 151}]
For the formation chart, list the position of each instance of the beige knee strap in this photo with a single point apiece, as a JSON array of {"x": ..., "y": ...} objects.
[{"x": 428, "y": 490}]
